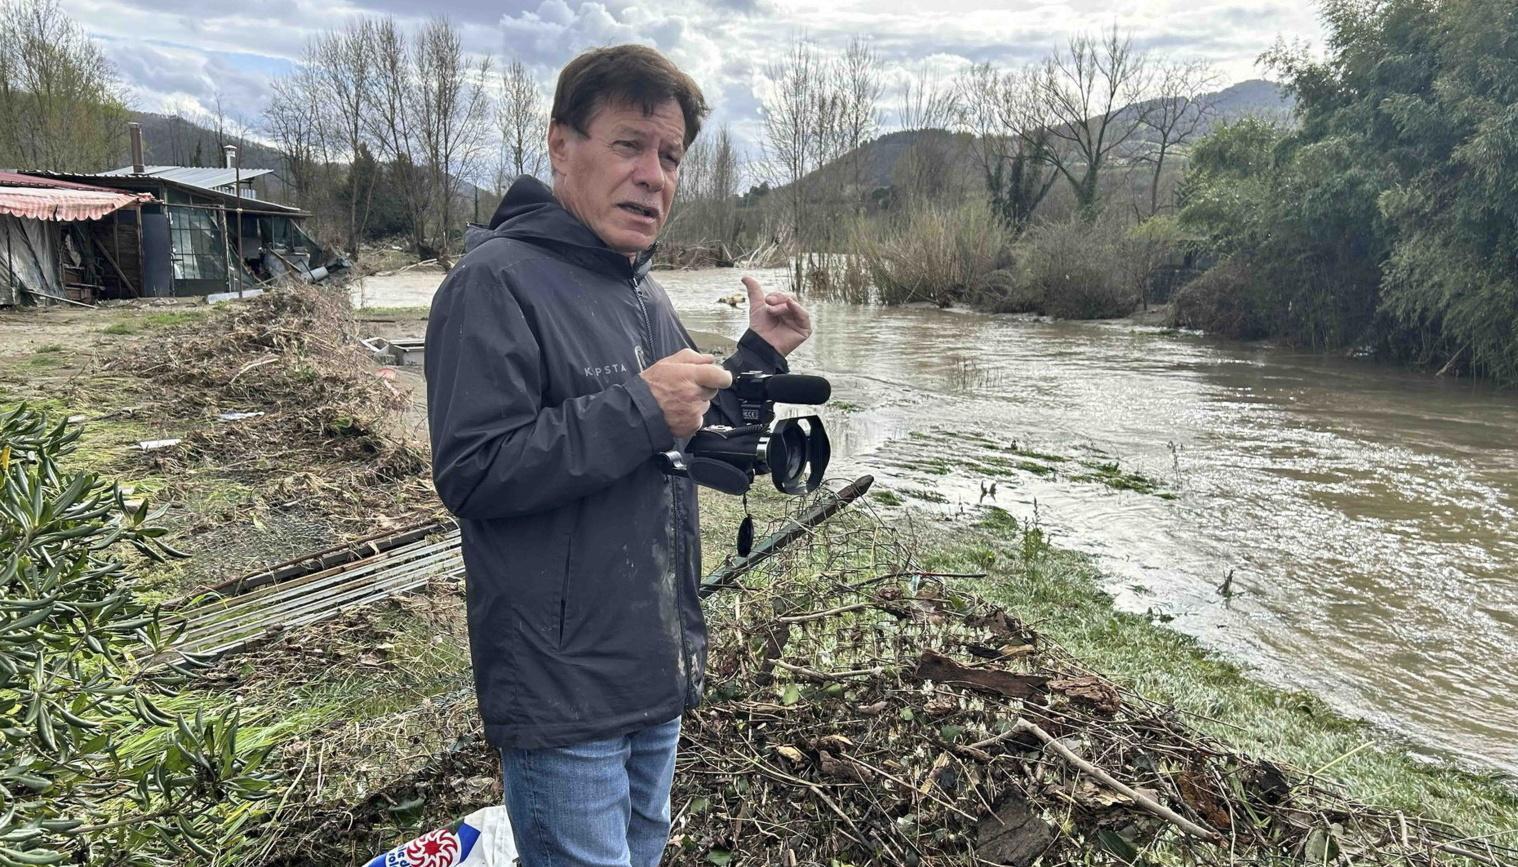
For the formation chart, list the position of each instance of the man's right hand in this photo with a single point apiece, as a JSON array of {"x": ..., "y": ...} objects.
[{"x": 684, "y": 385}]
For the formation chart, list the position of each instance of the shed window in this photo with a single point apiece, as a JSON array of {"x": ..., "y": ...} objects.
[{"x": 198, "y": 250}]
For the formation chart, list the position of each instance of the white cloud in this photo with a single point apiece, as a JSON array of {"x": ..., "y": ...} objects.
[{"x": 193, "y": 51}]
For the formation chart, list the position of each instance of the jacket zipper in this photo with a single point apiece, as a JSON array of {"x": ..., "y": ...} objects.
[
  {"x": 648, "y": 331},
  {"x": 675, "y": 510}
]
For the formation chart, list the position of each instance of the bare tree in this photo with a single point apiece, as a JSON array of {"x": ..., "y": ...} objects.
[
  {"x": 293, "y": 127},
  {"x": 1009, "y": 139},
  {"x": 927, "y": 101},
  {"x": 1179, "y": 113},
  {"x": 928, "y": 106},
  {"x": 859, "y": 85},
  {"x": 61, "y": 105},
  {"x": 343, "y": 65},
  {"x": 452, "y": 112},
  {"x": 181, "y": 137},
  {"x": 226, "y": 125},
  {"x": 394, "y": 128},
  {"x": 1083, "y": 91},
  {"x": 707, "y": 208},
  {"x": 523, "y": 120},
  {"x": 696, "y": 171},
  {"x": 792, "y": 129},
  {"x": 727, "y": 171},
  {"x": 726, "y": 167}
]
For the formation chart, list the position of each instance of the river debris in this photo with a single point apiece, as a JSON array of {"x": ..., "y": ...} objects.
[
  {"x": 290, "y": 598},
  {"x": 315, "y": 428},
  {"x": 155, "y": 445},
  {"x": 861, "y": 709},
  {"x": 689, "y": 256}
]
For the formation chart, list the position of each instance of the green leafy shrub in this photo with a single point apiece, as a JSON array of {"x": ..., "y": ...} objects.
[
  {"x": 1002, "y": 291},
  {"x": 1221, "y": 301},
  {"x": 102, "y": 761}
]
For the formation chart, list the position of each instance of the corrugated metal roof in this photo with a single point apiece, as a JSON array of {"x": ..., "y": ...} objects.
[
  {"x": 130, "y": 181},
  {"x": 208, "y": 178},
  {"x": 12, "y": 179},
  {"x": 62, "y": 203}
]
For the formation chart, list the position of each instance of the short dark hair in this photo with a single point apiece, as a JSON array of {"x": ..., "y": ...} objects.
[{"x": 633, "y": 75}]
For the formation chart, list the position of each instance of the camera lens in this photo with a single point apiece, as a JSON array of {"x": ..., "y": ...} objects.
[
  {"x": 794, "y": 445},
  {"x": 794, "y": 452}
]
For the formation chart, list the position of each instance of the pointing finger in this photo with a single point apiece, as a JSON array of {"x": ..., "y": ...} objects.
[{"x": 755, "y": 292}]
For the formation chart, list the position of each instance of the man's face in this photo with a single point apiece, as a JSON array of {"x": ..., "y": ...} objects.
[{"x": 619, "y": 178}]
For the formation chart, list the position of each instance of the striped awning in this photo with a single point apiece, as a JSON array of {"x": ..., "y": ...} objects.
[{"x": 60, "y": 204}]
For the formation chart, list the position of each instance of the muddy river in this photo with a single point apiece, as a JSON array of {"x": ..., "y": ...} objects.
[{"x": 1369, "y": 517}]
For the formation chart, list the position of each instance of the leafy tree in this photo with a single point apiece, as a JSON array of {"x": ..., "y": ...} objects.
[
  {"x": 1390, "y": 216},
  {"x": 1451, "y": 281}
]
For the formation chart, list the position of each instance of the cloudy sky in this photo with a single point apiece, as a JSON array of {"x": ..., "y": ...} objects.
[{"x": 177, "y": 55}]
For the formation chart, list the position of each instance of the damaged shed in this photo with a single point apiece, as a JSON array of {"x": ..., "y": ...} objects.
[
  {"x": 57, "y": 237},
  {"x": 194, "y": 231},
  {"x": 201, "y": 241}
]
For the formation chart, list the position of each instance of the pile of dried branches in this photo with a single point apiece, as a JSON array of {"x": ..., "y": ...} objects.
[
  {"x": 863, "y": 710},
  {"x": 279, "y": 391}
]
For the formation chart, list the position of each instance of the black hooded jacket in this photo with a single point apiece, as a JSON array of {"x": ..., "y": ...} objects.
[{"x": 583, "y": 558}]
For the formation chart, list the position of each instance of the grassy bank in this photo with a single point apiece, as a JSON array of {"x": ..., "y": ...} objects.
[{"x": 1059, "y": 593}]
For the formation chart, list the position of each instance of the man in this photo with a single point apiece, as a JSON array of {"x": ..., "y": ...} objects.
[{"x": 556, "y": 372}]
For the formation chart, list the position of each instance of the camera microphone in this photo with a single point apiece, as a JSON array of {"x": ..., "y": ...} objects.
[{"x": 797, "y": 388}]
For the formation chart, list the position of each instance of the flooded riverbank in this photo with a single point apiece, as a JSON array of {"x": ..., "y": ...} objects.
[{"x": 1367, "y": 516}]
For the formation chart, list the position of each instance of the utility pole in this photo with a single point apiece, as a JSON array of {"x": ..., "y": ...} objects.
[{"x": 235, "y": 162}]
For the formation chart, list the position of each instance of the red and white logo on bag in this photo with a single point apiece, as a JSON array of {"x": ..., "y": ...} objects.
[{"x": 439, "y": 848}]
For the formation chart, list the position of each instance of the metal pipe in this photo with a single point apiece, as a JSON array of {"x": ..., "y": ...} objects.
[
  {"x": 334, "y": 556},
  {"x": 301, "y": 599},
  {"x": 274, "y": 595},
  {"x": 226, "y": 248},
  {"x": 221, "y": 637},
  {"x": 10, "y": 268},
  {"x": 142, "y": 262},
  {"x": 134, "y": 129},
  {"x": 242, "y": 260},
  {"x": 767, "y": 547},
  {"x": 35, "y": 294},
  {"x": 253, "y": 604},
  {"x": 351, "y": 595}
]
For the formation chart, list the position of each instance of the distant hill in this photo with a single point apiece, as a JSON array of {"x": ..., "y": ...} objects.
[
  {"x": 879, "y": 157},
  {"x": 170, "y": 140},
  {"x": 1254, "y": 97}
]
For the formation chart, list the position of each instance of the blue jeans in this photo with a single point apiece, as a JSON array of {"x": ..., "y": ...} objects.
[{"x": 595, "y": 804}]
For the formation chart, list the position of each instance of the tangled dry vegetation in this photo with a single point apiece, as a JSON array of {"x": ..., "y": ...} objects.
[
  {"x": 279, "y": 394},
  {"x": 860, "y": 710},
  {"x": 865, "y": 711}
]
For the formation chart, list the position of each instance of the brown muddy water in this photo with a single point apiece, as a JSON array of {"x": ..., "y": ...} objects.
[{"x": 1369, "y": 516}]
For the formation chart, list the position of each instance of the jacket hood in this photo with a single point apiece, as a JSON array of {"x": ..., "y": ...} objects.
[{"x": 529, "y": 212}]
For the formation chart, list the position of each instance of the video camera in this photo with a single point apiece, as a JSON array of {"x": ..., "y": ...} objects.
[{"x": 794, "y": 451}]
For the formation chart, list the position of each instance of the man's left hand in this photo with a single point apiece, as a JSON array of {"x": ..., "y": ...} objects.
[{"x": 777, "y": 317}]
